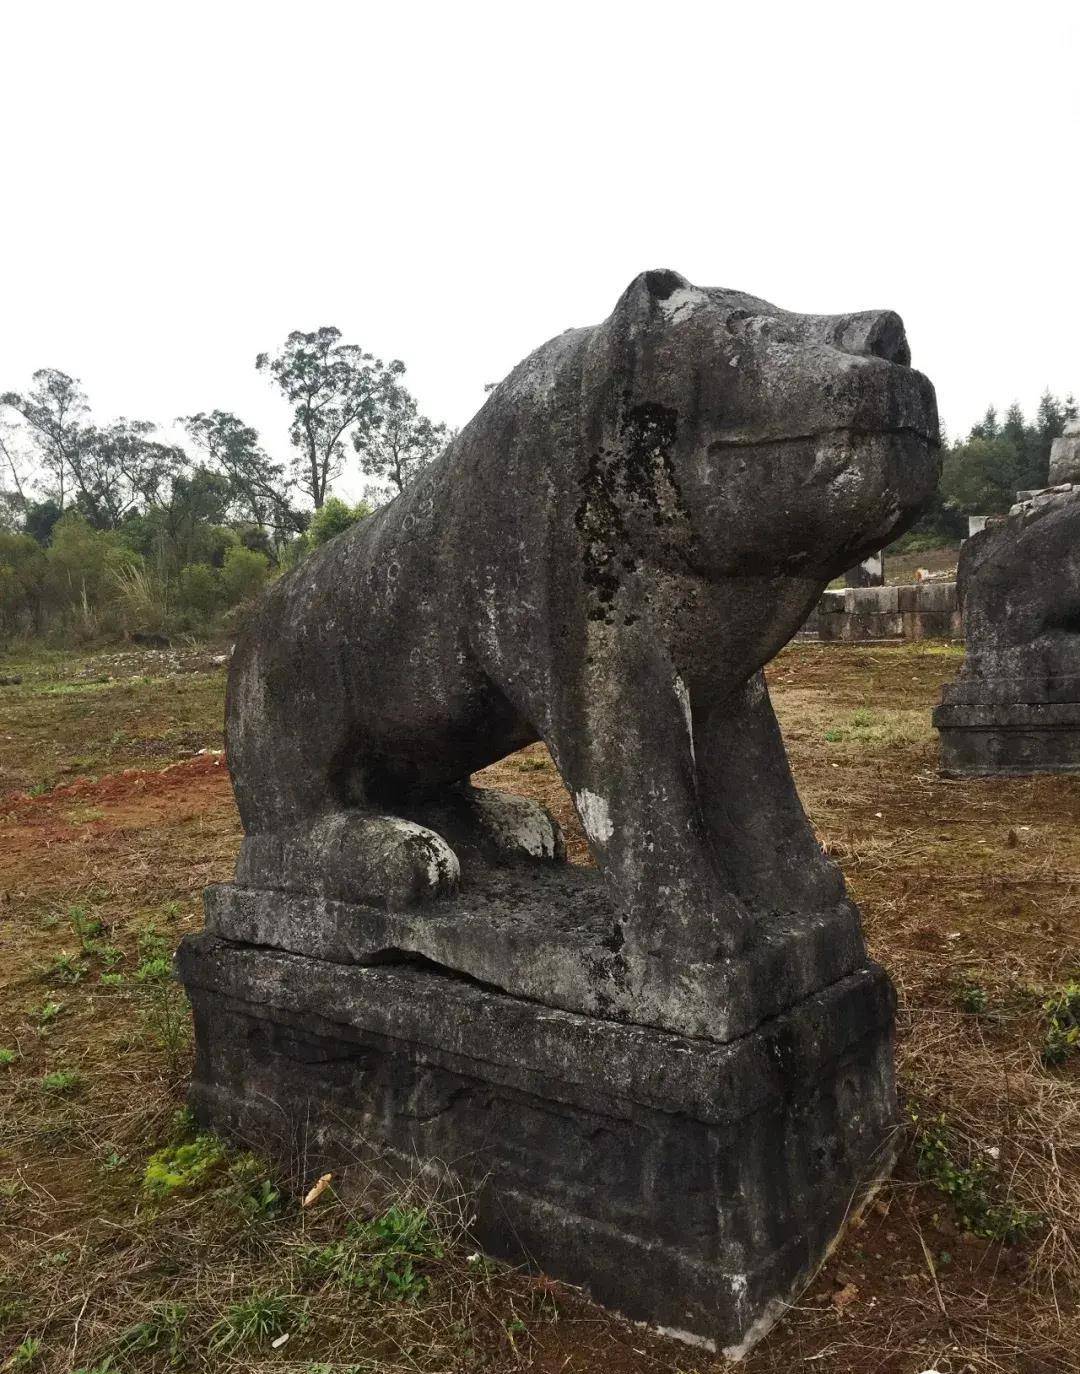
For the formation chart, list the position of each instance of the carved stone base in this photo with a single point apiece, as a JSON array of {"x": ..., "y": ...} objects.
[
  {"x": 987, "y": 739},
  {"x": 693, "y": 1184}
]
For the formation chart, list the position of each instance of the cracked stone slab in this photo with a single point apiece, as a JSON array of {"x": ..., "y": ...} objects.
[{"x": 549, "y": 934}]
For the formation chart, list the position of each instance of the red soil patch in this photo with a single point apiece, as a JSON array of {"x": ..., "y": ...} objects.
[{"x": 86, "y": 809}]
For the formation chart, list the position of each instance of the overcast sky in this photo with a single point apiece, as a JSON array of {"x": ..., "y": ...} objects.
[{"x": 452, "y": 184}]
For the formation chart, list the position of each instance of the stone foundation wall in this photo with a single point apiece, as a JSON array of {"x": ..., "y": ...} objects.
[{"x": 922, "y": 610}]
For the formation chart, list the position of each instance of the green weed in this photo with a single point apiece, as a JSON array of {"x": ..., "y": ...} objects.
[
  {"x": 380, "y": 1256},
  {"x": 159, "y": 1333},
  {"x": 971, "y": 997},
  {"x": 86, "y": 927},
  {"x": 49, "y": 1011},
  {"x": 108, "y": 954},
  {"x": 167, "y": 1016},
  {"x": 1062, "y": 1013},
  {"x": 258, "y": 1198},
  {"x": 153, "y": 970},
  {"x": 65, "y": 968},
  {"x": 11, "y": 1311},
  {"x": 7, "y": 1057},
  {"x": 259, "y": 1318},
  {"x": 884, "y": 727},
  {"x": 25, "y": 1353},
  {"x": 970, "y": 1187},
  {"x": 62, "y": 1081},
  {"x": 112, "y": 1161}
]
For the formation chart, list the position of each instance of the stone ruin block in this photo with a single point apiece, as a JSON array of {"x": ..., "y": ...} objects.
[
  {"x": 1015, "y": 705},
  {"x": 923, "y": 610},
  {"x": 1065, "y": 456},
  {"x": 668, "y": 1077}
]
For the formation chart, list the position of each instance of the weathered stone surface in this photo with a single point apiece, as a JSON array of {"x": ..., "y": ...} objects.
[
  {"x": 1015, "y": 705},
  {"x": 639, "y": 517},
  {"x": 1065, "y": 455},
  {"x": 676, "y": 1068},
  {"x": 544, "y": 932},
  {"x": 692, "y": 1184}
]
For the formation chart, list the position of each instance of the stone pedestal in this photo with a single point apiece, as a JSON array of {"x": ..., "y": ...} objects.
[
  {"x": 692, "y": 1182},
  {"x": 1009, "y": 727}
]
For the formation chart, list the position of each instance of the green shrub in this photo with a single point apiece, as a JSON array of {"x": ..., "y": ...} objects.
[
  {"x": 199, "y": 589},
  {"x": 333, "y": 519},
  {"x": 243, "y": 574}
]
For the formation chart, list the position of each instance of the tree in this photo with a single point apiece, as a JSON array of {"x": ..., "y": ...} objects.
[
  {"x": 260, "y": 489},
  {"x": 980, "y": 476},
  {"x": 11, "y": 464},
  {"x": 54, "y": 410},
  {"x": 988, "y": 427},
  {"x": 120, "y": 468},
  {"x": 22, "y": 582},
  {"x": 39, "y": 519},
  {"x": 111, "y": 468},
  {"x": 397, "y": 443},
  {"x": 334, "y": 518},
  {"x": 184, "y": 527},
  {"x": 331, "y": 387}
]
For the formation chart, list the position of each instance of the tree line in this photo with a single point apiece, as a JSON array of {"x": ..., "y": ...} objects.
[
  {"x": 110, "y": 528},
  {"x": 981, "y": 474}
]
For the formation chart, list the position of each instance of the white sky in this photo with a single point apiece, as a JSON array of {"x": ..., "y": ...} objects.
[{"x": 455, "y": 183}]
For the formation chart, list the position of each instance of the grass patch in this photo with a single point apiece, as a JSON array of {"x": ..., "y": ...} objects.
[
  {"x": 881, "y": 728},
  {"x": 254, "y": 1321}
]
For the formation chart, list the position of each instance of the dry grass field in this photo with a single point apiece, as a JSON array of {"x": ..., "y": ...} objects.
[{"x": 129, "y": 1242}]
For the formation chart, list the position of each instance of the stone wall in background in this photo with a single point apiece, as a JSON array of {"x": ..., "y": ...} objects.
[{"x": 922, "y": 610}]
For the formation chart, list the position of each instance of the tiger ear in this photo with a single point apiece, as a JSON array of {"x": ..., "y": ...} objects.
[{"x": 647, "y": 288}]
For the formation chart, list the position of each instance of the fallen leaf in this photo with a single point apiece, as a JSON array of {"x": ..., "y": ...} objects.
[
  {"x": 844, "y": 1297},
  {"x": 318, "y": 1190}
]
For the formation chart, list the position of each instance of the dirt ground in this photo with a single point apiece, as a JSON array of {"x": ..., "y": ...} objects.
[{"x": 115, "y": 811}]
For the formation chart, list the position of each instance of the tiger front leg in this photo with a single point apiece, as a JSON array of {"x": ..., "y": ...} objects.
[{"x": 623, "y": 745}]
